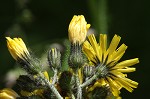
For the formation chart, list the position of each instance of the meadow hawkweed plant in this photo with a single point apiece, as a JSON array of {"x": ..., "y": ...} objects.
[{"x": 94, "y": 69}]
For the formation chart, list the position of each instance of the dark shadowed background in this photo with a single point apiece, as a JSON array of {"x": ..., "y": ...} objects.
[{"x": 41, "y": 23}]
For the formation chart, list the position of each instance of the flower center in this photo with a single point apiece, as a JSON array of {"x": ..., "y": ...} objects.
[{"x": 102, "y": 70}]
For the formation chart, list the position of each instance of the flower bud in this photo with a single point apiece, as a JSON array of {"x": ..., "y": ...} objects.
[
  {"x": 17, "y": 48},
  {"x": 78, "y": 28},
  {"x": 20, "y": 53},
  {"x": 88, "y": 70},
  {"x": 54, "y": 58}
]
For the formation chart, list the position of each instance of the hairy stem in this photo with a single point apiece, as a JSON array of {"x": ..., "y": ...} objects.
[
  {"x": 79, "y": 90},
  {"x": 86, "y": 83},
  {"x": 55, "y": 76},
  {"x": 51, "y": 86}
]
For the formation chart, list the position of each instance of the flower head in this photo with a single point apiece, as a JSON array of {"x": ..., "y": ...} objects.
[
  {"x": 17, "y": 48},
  {"x": 78, "y": 28},
  {"x": 19, "y": 52},
  {"x": 107, "y": 62},
  {"x": 8, "y": 94}
]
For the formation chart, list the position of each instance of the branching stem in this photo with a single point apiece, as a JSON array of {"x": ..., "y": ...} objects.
[{"x": 51, "y": 86}]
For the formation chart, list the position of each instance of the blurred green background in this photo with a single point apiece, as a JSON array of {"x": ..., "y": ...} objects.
[{"x": 44, "y": 22}]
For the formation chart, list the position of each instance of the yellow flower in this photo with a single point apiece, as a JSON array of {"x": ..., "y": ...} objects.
[
  {"x": 78, "y": 28},
  {"x": 17, "y": 48},
  {"x": 107, "y": 61},
  {"x": 8, "y": 94}
]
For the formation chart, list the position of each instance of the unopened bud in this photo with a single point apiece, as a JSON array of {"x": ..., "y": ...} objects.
[
  {"x": 54, "y": 58},
  {"x": 20, "y": 53},
  {"x": 88, "y": 70},
  {"x": 78, "y": 28}
]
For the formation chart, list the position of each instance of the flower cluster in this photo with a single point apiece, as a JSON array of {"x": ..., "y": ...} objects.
[{"x": 94, "y": 69}]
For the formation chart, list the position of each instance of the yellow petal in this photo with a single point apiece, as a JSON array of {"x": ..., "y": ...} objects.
[
  {"x": 96, "y": 84},
  {"x": 6, "y": 96},
  {"x": 112, "y": 47},
  {"x": 7, "y": 93},
  {"x": 102, "y": 81},
  {"x": 46, "y": 75},
  {"x": 99, "y": 83},
  {"x": 67, "y": 98},
  {"x": 113, "y": 62},
  {"x": 95, "y": 46},
  {"x": 88, "y": 26},
  {"x": 119, "y": 57},
  {"x": 25, "y": 93},
  {"x": 116, "y": 73},
  {"x": 126, "y": 70},
  {"x": 128, "y": 84},
  {"x": 103, "y": 42},
  {"x": 113, "y": 88},
  {"x": 119, "y": 51},
  {"x": 127, "y": 63},
  {"x": 80, "y": 75},
  {"x": 103, "y": 45},
  {"x": 114, "y": 43},
  {"x": 89, "y": 52},
  {"x": 113, "y": 83}
]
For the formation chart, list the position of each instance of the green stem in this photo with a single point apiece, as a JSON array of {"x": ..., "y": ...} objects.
[
  {"x": 51, "y": 86},
  {"x": 79, "y": 90},
  {"x": 55, "y": 76},
  {"x": 89, "y": 81}
]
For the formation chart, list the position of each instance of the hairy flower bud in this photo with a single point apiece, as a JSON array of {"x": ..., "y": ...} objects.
[
  {"x": 54, "y": 58},
  {"x": 88, "y": 70},
  {"x": 20, "y": 53},
  {"x": 78, "y": 28},
  {"x": 17, "y": 48}
]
